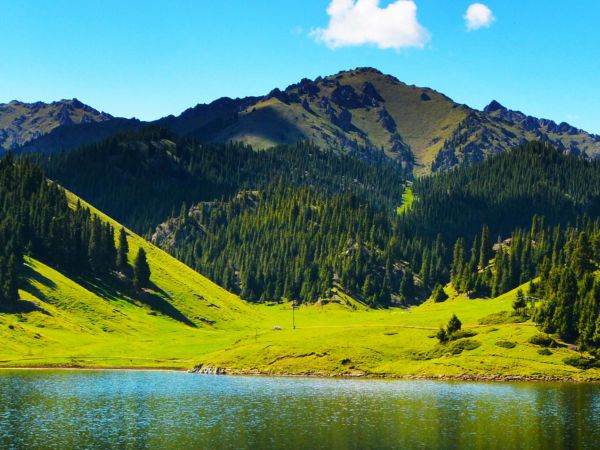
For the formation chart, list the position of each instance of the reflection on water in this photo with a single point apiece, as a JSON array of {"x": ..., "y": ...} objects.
[{"x": 75, "y": 409}]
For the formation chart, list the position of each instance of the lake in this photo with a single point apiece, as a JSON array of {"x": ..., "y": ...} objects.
[{"x": 137, "y": 409}]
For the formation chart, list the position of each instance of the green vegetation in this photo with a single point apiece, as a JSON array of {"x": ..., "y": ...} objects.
[
  {"x": 439, "y": 294},
  {"x": 407, "y": 200},
  {"x": 298, "y": 243},
  {"x": 542, "y": 340}
]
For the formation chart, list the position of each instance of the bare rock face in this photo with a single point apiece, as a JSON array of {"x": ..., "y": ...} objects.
[
  {"x": 387, "y": 121},
  {"x": 346, "y": 97},
  {"x": 370, "y": 95}
]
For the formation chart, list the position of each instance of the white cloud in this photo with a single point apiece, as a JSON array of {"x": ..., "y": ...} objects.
[
  {"x": 478, "y": 16},
  {"x": 358, "y": 22}
]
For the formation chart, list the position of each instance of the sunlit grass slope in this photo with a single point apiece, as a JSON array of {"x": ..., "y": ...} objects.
[
  {"x": 333, "y": 340},
  {"x": 87, "y": 322},
  {"x": 191, "y": 321}
]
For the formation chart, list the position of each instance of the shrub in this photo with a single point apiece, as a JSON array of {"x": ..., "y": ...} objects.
[
  {"x": 442, "y": 336},
  {"x": 542, "y": 340},
  {"x": 581, "y": 362},
  {"x": 460, "y": 334},
  {"x": 467, "y": 344},
  {"x": 454, "y": 324},
  {"x": 455, "y": 348},
  {"x": 500, "y": 318},
  {"x": 506, "y": 344},
  {"x": 544, "y": 352}
]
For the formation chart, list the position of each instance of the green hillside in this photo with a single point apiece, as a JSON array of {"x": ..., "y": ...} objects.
[
  {"x": 82, "y": 318},
  {"x": 83, "y": 327}
]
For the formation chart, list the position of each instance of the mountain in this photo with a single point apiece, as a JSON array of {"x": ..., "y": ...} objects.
[
  {"x": 357, "y": 109},
  {"x": 67, "y": 138},
  {"x": 362, "y": 108},
  {"x": 497, "y": 129},
  {"x": 21, "y": 123}
]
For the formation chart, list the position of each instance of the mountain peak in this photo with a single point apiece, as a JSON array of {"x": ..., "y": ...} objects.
[{"x": 493, "y": 106}]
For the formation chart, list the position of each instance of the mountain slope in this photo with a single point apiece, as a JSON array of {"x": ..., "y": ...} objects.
[
  {"x": 21, "y": 123},
  {"x": 142, "y": 177},
  {"x": 74, "y": 319},
  {"x": 359, "y": 108},
  {"x": 81, "y": 320},
  {"x": 498, "y": 129},
  {"x": 59, "y": 298}
]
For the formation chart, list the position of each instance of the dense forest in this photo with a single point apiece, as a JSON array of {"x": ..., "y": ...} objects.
[
  {"x": 143, "y": 177},
  {"x": 36, "y": 220},
  {"x": 285, "y": 242},
  {"x": 505, "y": 192}
]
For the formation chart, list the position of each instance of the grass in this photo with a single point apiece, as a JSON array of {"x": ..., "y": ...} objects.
[
  {"x": 85, "y": 323},
  {"x": 407, "y": 200}
]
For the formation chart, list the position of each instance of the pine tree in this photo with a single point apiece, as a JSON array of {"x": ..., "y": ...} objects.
[
  {"x": 458, "y": 262},
  {"x": 454, "y": 324},
  {"x": 519, "y": 304},
  {"x": 581, "y": 260},
  {"x": 442, "y": 335},
  {"x": 123, "y": 252},
  {"x": 439, "y": 295},
  {"x": 485, "y": 253},
  {"x": 141, "y": 270},
  {"x": 95, "y": 247}
]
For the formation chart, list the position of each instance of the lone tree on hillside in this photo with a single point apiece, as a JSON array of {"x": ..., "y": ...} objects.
[
  {"x": 439, "y": 295},
  {"x": 454, "y": 324},
  {"x": 519, "y": 303},
  {"x": 445, "y": 335},
  {"x": 122, "y": 262},
  {"x": 141, "y": 270}
]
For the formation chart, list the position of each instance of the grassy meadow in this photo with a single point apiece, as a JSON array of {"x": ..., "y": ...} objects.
[{"x": 186, "y": 320}]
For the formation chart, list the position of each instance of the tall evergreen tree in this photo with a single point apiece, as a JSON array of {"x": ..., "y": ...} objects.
[
  {"x": 485, "y": 253},
  {"x": 141, "y": 270},
  {"x": 123, "y": 252}
]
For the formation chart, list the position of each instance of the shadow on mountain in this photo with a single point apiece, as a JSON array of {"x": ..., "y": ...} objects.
[
  {"x": 265, "y": 123},
  {"x": 25, "y": 306},
  {"x": 29, "y": 274},
  {"x": 112, "y": 289},
  {"x": 161, "y": 305}
]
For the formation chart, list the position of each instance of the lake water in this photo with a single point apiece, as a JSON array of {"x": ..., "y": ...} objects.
[{"x": 119, "y": 409}]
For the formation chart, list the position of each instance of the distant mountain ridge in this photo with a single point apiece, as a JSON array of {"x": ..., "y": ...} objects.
[
  {"x": 21, "y": 123},
  {"x": 362, "y": 108}
]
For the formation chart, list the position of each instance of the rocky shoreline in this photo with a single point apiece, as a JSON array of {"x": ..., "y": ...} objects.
[{"x": 210, "y": 370}]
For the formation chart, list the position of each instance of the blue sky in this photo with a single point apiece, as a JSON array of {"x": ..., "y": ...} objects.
[{"x": 153, "y": 58}]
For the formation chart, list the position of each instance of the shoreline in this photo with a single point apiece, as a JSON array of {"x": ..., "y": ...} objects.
[
  {"x": 391, "y": 377},
  {"x": 317, "y": 375}
]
